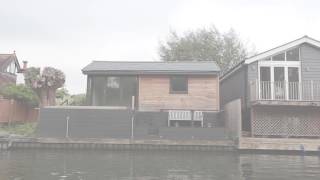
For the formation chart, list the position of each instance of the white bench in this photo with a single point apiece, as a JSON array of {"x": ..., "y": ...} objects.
[{"x": 185, "y": 115}]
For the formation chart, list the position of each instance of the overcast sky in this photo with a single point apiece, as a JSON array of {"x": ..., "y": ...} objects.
[{"x": 69, "y": 34}]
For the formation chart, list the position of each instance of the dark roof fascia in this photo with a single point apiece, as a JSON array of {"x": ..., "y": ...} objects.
[{"x": 150, "y": 72}]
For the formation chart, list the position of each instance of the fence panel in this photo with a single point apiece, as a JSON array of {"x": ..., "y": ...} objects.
[{"x": 286, "y": 121}]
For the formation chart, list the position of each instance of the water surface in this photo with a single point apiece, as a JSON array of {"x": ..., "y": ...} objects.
[{"x": 151, "y": 165}]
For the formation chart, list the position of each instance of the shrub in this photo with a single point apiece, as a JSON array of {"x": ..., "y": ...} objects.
[
  {"x": 20, "y": 93},
  {"x": 78, "y": 100}
]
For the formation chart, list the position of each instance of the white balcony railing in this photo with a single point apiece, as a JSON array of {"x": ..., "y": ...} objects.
[{"x": 289, "y": 91}]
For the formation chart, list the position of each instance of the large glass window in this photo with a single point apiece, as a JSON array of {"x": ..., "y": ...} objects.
[
  {"x": 278, "y": 57},
  {"x": 265, "y": 84},
  {"x": 290, "y": 55},
  {"x": 279, "y": 74},
  {"x": 113, "y": 90},
  {"x": 293, "y": 55},
  {"x": 178, "y": 85},
  {"x": 98, "y": 90},
  {"x": 265, "y": 74},
  {"x": 279, "y": 83},
  {"x": 293, "y": 78}
]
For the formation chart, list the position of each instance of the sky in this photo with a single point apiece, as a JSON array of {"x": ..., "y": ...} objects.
[{"x": 69, "y": 34}]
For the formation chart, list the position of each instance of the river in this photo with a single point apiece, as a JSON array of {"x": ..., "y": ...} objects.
[{"x": 151, "y": 165}]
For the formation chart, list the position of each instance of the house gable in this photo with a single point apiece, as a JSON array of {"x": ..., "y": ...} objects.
[
  {"x": 282, "y": 48},
  {"x": 7, "y": 60}
]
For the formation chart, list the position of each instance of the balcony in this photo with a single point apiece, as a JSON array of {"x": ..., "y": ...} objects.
[{"x": 285, "y": 91}]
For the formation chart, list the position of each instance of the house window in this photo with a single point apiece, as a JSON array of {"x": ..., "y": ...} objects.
[
  {"x": 113, "y": 82},
  {"x": 293, "y": 55},
  {"x": 178, "y": 85},
  {"x": 279, "y": 57},
  {"x": 11, "y": 68},
  {"x": 289, "y": 55}
]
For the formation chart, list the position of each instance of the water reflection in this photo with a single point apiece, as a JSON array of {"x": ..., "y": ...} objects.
[{"x": 147, "y": 165}]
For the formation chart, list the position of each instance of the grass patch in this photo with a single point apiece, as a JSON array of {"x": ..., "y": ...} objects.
[{"x": 26, "y": 129}]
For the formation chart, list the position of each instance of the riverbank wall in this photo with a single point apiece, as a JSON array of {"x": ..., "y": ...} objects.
[{"x": 115, "y": 144}]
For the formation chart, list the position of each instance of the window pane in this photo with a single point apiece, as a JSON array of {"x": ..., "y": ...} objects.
[
  {"x": 267, "y": 59},
  {"x": 278, "y": 85},
  {"x": 279, "y": 57},
  {"x": 293, "y": 77},
  {"x": 113, "y": 82},
  {"x": 178, "y": 84},
  {"x": 265, "y": 73},
  {"x": 98, "y": 90},
  {"x": 278, "y": 74},
  {"x": 265, "y": 86},
  {"x": 293, "y": 55}
]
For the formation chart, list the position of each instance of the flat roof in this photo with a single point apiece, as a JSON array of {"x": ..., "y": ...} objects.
[{"x": 150, "y": 67}]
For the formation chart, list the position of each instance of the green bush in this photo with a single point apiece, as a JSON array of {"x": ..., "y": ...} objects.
[
  {"x": 26, "y": 129},
  {"x": 20, "y": 93},
  {"x": 78, "y": 100}
]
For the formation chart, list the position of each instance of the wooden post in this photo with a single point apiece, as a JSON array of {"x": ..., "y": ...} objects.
[
  {"x": 312, "y": 95},
  {"x": 67, "y": 126},
  {"x": 12, "y": 102},
  {"x": 132, "y": 116}
]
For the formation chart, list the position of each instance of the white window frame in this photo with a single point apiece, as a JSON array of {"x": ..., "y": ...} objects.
[{"x": 286, "y": 64}]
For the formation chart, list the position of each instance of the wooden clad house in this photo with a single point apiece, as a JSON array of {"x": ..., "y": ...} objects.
[
  {"x": 156, "y": 86},
  {"x": 279, "y": 90}
]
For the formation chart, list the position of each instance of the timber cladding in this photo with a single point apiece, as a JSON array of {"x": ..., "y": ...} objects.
[{"x": 203, "y": 93}]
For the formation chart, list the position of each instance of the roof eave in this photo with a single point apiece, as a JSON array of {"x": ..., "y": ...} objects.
[{"x": 150, "y": 72}]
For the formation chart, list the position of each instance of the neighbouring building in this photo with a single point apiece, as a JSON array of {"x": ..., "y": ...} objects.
[
  {"x": 13, "y": 111},
  {"x": 279, "y": 90},
  {"x": 9, "y": 67}
]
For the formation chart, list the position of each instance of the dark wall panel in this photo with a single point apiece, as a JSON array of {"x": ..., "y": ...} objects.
[
  {"x": 84, "y": 123},
  {"x": 105, "y": 123}
]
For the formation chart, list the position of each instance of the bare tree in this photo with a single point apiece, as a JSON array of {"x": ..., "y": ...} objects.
[{"x": 45, "y": 83}]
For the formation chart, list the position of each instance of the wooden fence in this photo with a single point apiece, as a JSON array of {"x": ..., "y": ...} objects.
[{"x": 12, "y": 111}]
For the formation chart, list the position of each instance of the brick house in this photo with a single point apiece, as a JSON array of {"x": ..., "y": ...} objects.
[{"x": 9, "y": 67}]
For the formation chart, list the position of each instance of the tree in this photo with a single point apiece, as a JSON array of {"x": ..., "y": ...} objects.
[
  {"x": 45, "y": 83},
  {"x": 20, "y": 93},
  {"x": 78, "y": 100},
  {"x": 62, "y": 96},
  {"x": 226, "y": 49}
]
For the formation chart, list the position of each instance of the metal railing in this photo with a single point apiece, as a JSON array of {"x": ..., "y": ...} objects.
[{"x": 283, "y": 90}]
